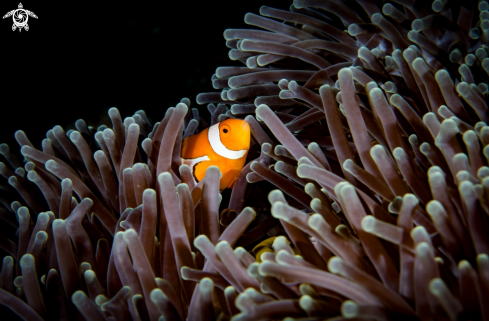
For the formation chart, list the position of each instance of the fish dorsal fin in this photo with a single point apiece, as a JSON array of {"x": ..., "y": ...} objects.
[{"x": 214, "y": 137}]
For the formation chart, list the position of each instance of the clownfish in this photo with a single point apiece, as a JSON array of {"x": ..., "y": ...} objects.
[{"x": 224, "y": 145}]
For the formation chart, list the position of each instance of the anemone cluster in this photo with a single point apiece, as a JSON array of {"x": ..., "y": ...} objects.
[{"x": 370, "y": 119}]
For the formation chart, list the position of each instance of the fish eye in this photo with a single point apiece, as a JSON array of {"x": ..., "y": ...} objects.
[{"x": 225, "y": 129}]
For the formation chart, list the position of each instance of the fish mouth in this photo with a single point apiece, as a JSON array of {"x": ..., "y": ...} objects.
[
  {"x": 245, "y": 135},
  {"x": 245, "y": 125}
]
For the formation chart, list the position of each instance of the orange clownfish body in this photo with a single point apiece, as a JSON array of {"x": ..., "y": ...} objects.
[{"x": 224, "y": 145}]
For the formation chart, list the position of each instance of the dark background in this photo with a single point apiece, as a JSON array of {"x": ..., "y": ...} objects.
[{"x": 80, "y": 58}]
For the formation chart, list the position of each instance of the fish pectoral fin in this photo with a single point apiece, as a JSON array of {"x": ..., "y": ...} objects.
[
  {"x": 231, "y": 184},
  {"x": 199, "y": 170},
  {"x": 192, "y": 163}
]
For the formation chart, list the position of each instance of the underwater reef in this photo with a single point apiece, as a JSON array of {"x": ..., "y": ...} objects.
[{"x": 369, "y": 158}]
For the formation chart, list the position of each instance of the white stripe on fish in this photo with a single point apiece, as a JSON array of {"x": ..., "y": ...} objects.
[{"x": 218, "y": 147}]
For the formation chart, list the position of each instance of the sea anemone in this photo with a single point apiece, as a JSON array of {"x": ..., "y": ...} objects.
[{"x": 370, "y": 119}]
